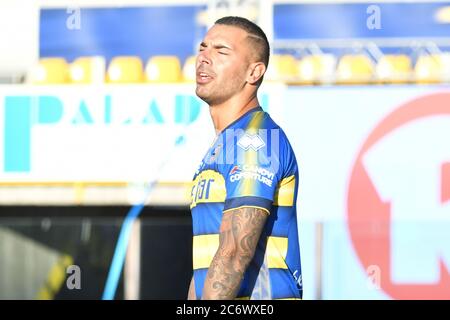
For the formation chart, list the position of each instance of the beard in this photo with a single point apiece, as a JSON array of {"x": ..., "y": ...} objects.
[
  {"x": 211, "y": 96},
  {"x": 219, "y": 93},
  {"x": 202, "y": 93}
]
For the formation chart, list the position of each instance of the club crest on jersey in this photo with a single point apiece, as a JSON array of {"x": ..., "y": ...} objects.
[
  {"x": 215, "y": 152},
  {"x": 251, "y": 141}
]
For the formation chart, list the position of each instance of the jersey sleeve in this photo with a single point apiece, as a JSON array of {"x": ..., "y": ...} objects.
[{"x": 252, "y": 178}]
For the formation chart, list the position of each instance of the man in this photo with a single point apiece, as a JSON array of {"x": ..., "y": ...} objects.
[{"x": 244, "y": 193}]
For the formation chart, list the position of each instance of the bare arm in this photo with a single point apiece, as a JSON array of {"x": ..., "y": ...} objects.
[
  {"x": 239, "y": 234},
  {"x": 191, "y": 293}
]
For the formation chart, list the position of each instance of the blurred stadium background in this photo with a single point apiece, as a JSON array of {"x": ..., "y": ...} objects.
[{"x": 98, "y": 115}]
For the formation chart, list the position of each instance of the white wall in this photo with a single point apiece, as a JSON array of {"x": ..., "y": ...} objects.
[{"x": 19, "y": 36}]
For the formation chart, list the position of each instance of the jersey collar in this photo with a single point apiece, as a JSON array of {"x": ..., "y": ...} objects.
[{"x": 255, "y": 109}]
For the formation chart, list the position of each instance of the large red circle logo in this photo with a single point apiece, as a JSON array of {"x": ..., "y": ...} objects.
[{"x": 369, "y": 217}]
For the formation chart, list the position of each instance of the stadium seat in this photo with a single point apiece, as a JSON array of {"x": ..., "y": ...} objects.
[
  {"x": 282, "y": 68},
  {"x": 189, "y": 69},
  {"x": 433, "y": 68},
  {"x": 125, "y": 69},
  {"x": 50, "y": 71},
  {"x": 354, "y": 69},
  {"x": 88, "y": 70},
  {"x": 318, "y": 68},
  {"x": 163, "y": 69},
  {"x": 394, "y": 69}
]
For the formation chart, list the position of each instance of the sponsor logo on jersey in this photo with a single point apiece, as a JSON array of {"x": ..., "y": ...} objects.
[{"x": 252, "y": 172}]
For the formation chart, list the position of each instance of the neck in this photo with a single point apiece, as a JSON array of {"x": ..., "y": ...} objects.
[{"x": 224, "y": 114}]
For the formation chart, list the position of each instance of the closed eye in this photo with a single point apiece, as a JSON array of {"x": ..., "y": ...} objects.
[{"x": 202, "y": 46}]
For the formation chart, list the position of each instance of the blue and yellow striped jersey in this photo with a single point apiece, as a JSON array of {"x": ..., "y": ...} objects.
[{"x": 251, "y": 164}]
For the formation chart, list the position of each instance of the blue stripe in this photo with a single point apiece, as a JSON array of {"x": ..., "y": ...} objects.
[
  {"x": 206, "y": 218},
  {"x": 280, "y": 219},
  {"x": 247, "y": 201},
  {"x": 293, "y": 252},
  {"x": 283, "y": 284},
  {"x": 199, "y": 279}
]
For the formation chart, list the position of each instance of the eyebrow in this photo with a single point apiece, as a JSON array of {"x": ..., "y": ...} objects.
[{"x": 217, "y": 46}]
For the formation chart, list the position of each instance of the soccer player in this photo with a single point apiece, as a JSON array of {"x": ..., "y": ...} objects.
[{"x": 244, "y": 192}]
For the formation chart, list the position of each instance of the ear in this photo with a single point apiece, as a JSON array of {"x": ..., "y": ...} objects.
[{"x": 256, "y": 71}]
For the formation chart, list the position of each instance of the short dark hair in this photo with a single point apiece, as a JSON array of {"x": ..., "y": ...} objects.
[{"x": 255, "y": 33}]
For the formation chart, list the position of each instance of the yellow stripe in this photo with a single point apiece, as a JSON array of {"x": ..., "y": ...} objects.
[
  {"x": 245, "y": 206},
  {"x": 208, "y": 186},
  {"x": 79, "y": 192},
  {"x": 284, "y": 195},
  {"x": 242, "y": 298},
  {"x": 255, "y": 123},
  {"x": 276, "y": 252},
  {"x": 205, "y": 248},
  {"x": 251, "y": 156}
]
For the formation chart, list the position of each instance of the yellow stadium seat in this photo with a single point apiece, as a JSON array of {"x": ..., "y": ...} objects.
[
  {"x": 354, "y": 69},
  {"x": 394, "y": 69},
  {"x": 125, "y": 69},
  {"x": 163, "y": 69},
  {"x": 88, "y": 70},
  {"x": 317, "y": 68},
  {"x": 50, "y": 71},
  {"x": 282, "y": 68},
  {"x": 433, "y": 68},
  {"x": 189, "y": 69}
]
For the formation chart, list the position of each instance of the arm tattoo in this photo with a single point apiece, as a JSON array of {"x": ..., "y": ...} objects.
[{"x": 239, "y": 235}]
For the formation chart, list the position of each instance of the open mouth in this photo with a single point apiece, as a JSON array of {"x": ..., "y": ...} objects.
[{"x": 203, "y": 77}]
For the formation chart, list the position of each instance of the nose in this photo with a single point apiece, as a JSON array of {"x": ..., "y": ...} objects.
[{"x": 203, "y": 57}]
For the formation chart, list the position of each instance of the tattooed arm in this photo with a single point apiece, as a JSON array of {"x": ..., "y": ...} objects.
[{"x": 239, "y": 234}]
